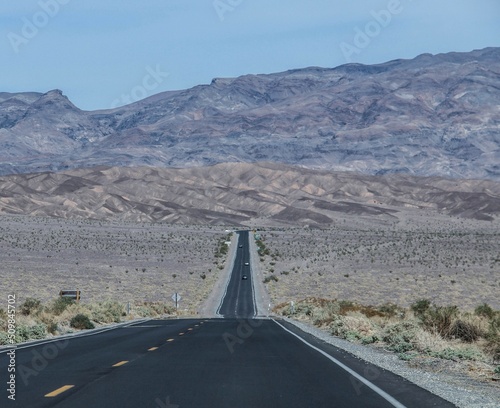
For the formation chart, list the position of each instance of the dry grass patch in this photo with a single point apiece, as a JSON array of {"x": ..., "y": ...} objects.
[
  {"x": 63, "y": 316},
  {"x": 424, "y": 330}
]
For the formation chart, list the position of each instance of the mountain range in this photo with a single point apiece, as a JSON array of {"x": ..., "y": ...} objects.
[{"x": 434, "y": 115}]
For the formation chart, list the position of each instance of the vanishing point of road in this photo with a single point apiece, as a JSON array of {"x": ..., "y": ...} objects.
[{"x": 236, "y": 361}]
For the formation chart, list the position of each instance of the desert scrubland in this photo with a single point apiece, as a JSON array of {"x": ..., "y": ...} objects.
[
  {"x": 444, "y": 259},
  {"x": 125, "y": 262}
]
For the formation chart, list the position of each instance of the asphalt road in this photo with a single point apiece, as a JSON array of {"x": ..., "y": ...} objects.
[
  {"x": 231, "y": 362},
  {"x": 238, "y": 301}
]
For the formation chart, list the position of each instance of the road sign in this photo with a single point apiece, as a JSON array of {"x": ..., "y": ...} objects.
[
  {"x": 72, "y": 294},
  {"x": 176, "y": 298}
]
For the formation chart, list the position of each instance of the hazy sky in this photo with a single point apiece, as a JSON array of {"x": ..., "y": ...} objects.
[{"x": 104, "y": 53}]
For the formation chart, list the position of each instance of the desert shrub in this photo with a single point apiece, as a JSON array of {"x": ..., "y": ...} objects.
[
  {"x": 162, "y": 308},
  {"x": 493, "y": 347},
  {"x": 338, "y": 328},
  {"x": 369, "y": 339},
  {"x": 30, "y": 306},
  {"x": 268, "y": 279},
  {"x": 107, "y": 312},
  {"x": 304, "y": 309},
  {"x": 143, "y": 311},
  {"x": 420, "y": 306},
  {"x": 458, "y": 354},
  {"x": 346, "y": 306},
  {"x": 24, "y": 333},
  {"x": 400, "y": 337},
  {"x": 497, "y": 370},
  {"x": 485, "y": 310},
  {"x": 427, "y": 342},
  {"x": 407, "y": 356},
  {"x": 465, "y": 331},
  {"x": 52, "y": 327},
  {"x": 4, "y": 339},
  {"x": 352, "y": 327},
  {"x": 82, "y": 322},
  {"x": 389, "y": 309},
  {"x": 439, "y": 319},
  {"x": 149, "y": 309},
  {"x": 493, "y": 338},
  {"x": 60, "y": 305},
  {"x": 326, "y": 313}
]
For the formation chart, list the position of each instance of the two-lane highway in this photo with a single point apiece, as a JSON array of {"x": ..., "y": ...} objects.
[
  {"x": 205, "y": 363},
  {"x": 238, "y": 300},
  {"x": 238, "y": 362}
]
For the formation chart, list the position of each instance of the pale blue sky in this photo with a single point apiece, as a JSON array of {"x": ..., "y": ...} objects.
[{"x": 104, "y": 53}]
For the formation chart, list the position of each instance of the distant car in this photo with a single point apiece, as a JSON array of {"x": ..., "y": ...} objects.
[
  {"x": 241, "y": 246},
  {"x": 244, "y": 277},
  {"x": 246, "y": 264}
]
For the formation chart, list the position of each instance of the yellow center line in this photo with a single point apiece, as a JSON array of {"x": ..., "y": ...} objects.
[
  {"x": 120, "y": 364},
  {"x": 58, "y": 391},
  {"x": 153, "y": 349}
]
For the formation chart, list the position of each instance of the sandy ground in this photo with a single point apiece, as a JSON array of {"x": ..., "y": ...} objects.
[
  {"x": 441, "y": 258},
  {"x": 126, "y": 262},
  {"x": 369, "y": 260}
]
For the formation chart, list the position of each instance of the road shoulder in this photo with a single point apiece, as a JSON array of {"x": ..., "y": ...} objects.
[{"x": 462, "y": 392}]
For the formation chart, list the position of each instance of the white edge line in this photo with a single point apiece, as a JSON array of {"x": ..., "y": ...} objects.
[
  {"x": 69, "y": 337},
  {"x": 252, "y": 276},
  {"x": 391, "y": 400}
]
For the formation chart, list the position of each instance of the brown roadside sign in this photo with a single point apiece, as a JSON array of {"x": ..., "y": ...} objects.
[{"x": 72, "y": 294}]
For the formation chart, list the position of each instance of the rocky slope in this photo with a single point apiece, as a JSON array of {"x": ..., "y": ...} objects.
[
  {"x": 242, "y": 194},
  {"x": 432, "y": 115}
]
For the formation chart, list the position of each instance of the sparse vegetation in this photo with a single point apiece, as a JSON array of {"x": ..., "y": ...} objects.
[
  {"x": 378, "y": 261},
  {"x": 61, "y": 304},
  {"x": 63, "y": 316},
  {"x": 125, "y": 261},
  {"x": 81, "y": 322},
  {"x": 30, "y": 306},
  {"x": 423, "y": 330}
]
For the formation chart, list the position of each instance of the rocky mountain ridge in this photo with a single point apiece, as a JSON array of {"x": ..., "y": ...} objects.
[{"x": 434, "y": 115}]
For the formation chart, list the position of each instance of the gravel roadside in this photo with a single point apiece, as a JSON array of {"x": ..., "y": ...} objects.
[
  {"x": 209, "y": 308},
  {"x": 263, "y": 302},
  {"x": 458, "y": 389}
]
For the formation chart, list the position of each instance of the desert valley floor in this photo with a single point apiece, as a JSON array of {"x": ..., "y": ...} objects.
[{"x": 445, "y": 259}]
